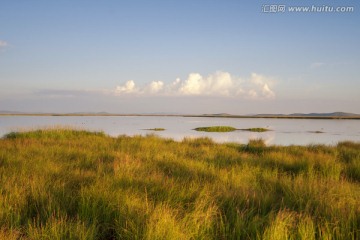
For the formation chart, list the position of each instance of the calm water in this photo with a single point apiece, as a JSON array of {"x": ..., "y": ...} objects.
[{"x": 284, "y": 131}]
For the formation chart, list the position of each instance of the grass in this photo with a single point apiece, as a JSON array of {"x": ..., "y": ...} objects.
[
  {"x": 216, "y": 129},
  {"x": 66, "y": 184},
  {"x": 228, "y": 129},
  {"x": 156, "y": 129}
]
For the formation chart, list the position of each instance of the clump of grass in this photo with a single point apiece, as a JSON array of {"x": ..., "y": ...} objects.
[
  {"x": 348, "y": 152},
  {"x": 258, "y": 143},
  {"x": 256, "y": 129},
  {"x": 216, "y": 129},
  {"x": 66, "y": 184},
  {"x": 60, "y": 132},
  {"x": 257, "y": 146},
  {"x": 155, "y": 129}
]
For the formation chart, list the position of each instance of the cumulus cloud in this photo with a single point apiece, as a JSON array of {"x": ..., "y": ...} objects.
[
  {"x": 156, "y": 86},
  {"x": 194, "y": 85},
  {"x": 263, "y": 85},
  {"x": 128, "y": 87},
  {"x": 217, "y": 84}
]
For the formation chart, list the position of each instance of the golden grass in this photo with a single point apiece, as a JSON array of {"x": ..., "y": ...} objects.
[{"x": 74, "y": 184}]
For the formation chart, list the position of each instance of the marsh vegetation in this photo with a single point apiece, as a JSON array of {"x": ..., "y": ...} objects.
[
  {"x": 229, "y": 129},
  {"x": 256, "y": 129},
  {"x": 67, "y": 184},
  {"x": 155, "y": 129},
  {"x": 215, "y": 129}
]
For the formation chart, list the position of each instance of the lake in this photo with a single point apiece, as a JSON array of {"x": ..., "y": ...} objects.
[{"x": 283, "y": 131}]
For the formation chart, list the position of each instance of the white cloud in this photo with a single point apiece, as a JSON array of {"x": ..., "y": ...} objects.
[
  {"x": 221, "y": 82},
  {"x": 217, "y": 84},
  {"x": 252, "y": 94},
  {"x": 155, "y": 86},
  {"x": 128, "y": 87},
  {"x": 194, "y": 85},
  {"x": 262, "y": 83},
  {"x": 3, "y": 43},
  {"x": 267, "y": 92}
]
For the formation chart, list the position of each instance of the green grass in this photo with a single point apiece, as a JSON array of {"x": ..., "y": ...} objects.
[
  {"x": 66, "y": 184},
  {"x": 216, "y": 129},
  {"x": 256, "y": 129},
  {"x": 156, "y": 129},
  {"x": 228, "y": 129}
]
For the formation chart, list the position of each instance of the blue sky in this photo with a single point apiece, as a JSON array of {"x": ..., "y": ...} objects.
[{"x": 178, "y": 56}]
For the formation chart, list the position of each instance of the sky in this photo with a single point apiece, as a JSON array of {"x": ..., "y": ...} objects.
[{"x": 189, "y": 56}]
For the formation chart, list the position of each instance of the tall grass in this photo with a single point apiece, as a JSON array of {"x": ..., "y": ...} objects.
[{"x": 66, "y": 184}]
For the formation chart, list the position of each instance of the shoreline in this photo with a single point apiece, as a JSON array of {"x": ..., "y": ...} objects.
[{"x": 176, "y": 115}]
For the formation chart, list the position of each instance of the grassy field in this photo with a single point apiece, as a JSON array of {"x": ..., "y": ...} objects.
[{"x": 66, "y": 184}]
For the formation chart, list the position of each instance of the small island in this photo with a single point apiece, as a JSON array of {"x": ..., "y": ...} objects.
[
  {"x": 216, "y": 129},
  {"x": 155, "y": 129},
  {"x": 317, "y": 131},
  {"x": 229, "y": 129},
  {"x": 256, "y": 129}
]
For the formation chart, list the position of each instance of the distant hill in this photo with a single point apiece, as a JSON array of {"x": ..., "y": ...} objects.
[
  {"x": 17, "y": 112},
  {"x": 219, "y": 115},
  {"x": 313, "y": 115},
  {"x": 89, "y": 113},
  {"x": 333, "y": 114},
  {"x": 342, "y": 115},
  {"x": 9, "y": 112}
]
